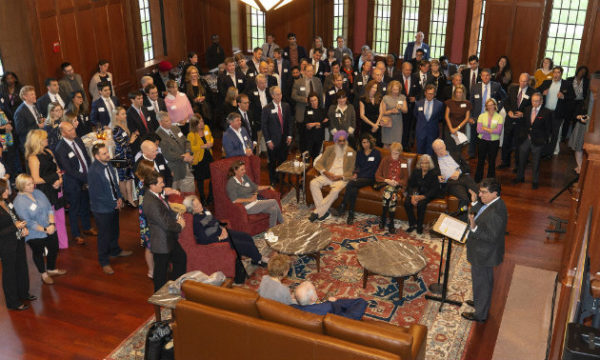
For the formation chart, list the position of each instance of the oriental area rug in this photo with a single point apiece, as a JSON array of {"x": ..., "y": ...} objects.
[{"x": 341, "y": 277}]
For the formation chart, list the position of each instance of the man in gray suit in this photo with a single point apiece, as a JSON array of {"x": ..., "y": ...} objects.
[
  {"x": 302, "y": 87},
  {"x": 70, "y": 83},
  {"x": 485, "y": 245},
  {"x": 177, "y": 151},
  {"x": 165, "y": 226}
]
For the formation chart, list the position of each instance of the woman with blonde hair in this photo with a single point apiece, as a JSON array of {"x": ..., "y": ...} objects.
[
  {"x": 197, "y": 91},
  {"x": 489, "y": 128},
  {"x": 391, "y": 108},
  {"x": 392, "y": 175},
  {"x": 201, "y": 143},
  {"x": 55, "y": 117},
  {"x": 47, "y": 178},
  {"x": 270, "y": 285},
  {"x": 457, "y": 115},
  {"x": 123, "y": 139}
]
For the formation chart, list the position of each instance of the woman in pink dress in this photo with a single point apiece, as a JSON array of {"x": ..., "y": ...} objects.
[{"x": 178, "y": 106}]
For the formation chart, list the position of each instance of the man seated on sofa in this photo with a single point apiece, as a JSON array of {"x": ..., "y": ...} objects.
[
  {"x": 306, "y": 296},
  {"x": 336, "y": 166},
  {"x": 236, "y": 140}
]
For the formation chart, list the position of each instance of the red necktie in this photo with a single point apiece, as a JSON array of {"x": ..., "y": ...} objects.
[
  {"x": 406, "y": 86},
  {"x": 519, "y": 97},
  {"x": 473, "y": 78},
  {"x": 143, "y": 119},
  {"x": 280, "y": 115}
]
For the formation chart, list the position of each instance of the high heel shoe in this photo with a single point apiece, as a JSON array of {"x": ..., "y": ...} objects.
[{"x": 46, "y": 279}]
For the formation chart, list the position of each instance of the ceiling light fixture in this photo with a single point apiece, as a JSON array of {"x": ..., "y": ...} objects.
[{"x": 266, "y": 5}]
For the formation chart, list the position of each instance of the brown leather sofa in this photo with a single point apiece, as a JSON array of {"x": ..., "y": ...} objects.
[
  {"x": 368, "y": 200},
  {"x": 221, "y": 323}
]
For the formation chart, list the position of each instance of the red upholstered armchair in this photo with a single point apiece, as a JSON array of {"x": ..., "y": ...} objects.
[
  {"x": 206, "y": 258},
  {"x": 235, "y": 214}
]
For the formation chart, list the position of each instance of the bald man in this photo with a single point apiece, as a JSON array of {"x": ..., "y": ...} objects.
[
  {"x": 306, "y": 296},
  {"x": 150, "y": 152}
]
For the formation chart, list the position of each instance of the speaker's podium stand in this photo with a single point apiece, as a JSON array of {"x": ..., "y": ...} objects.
[{"x": 452, "y": 229}]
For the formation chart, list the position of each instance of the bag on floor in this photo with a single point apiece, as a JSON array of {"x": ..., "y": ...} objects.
[{"x": 159, "y": 342}]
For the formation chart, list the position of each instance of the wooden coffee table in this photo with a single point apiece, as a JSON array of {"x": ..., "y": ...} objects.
[
  {"x": 300, "y": 237},
  {"x": 396, "y": 259}
]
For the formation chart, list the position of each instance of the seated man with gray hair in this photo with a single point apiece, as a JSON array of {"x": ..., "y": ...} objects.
[
  {"x": 306, "y": 296},
  {"x": 176, "y": 150},
  {"x": 236, "y": 140}
]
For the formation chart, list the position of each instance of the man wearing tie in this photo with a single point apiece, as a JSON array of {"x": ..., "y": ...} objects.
[
  {"x": 485, "y": 245},
  {"x": 105, "y": 201},
  {"x": 533, "y": 135},
  {"x": 269, "y": 47},
  {"x": 231, "y": 77},
  {"x": 319, "y": 66},
  {"x": 412, "y": 90},
  {"x": 236, "y": 140},
  {"x": 259, "y": 98},
  {"x": 154, "y": 104},
  {"x": 103, "y": 109},
  {"x": 277, "y": 127},
  {"x": 243, "y": 102},
  {"x": 74, "y": 161},
  {"x": 138, "y": 118},
  {"x": 517, "y": 100},
  {"x": 471, "y": 75},
  {"x": 412, "y": 47},
  {"x": 51, "y": 96},
  {"x": 177, "y": 151},
  {"x": 428, "y": 112},
  {"x": 302, "y": 87},
  {"x": 27, "y": 116}
]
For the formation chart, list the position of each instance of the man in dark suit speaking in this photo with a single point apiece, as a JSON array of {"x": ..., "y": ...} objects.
[{"x": 485, "y": 245}]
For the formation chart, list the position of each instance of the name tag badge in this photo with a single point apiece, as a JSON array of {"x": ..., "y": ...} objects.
[
  {"x": 371, "y": 158},
  {"x": 240, "y": 81},
  {"x": 173, "y": 107},
  {"x": 247, "y": 184},
  {"x": 32, "y": 207},
  {"x": 207, "y": 212},
  {"x": 285, "y": 70},
  {"x": 2, "y": 100},
  {"x": 359, "y": 83},
  {"x": 274, "y": 111},
  {"x": 384, "y": 89},
  {"x": 250, "y": 75},
  {"x": 10, "y": 205},
  {"x": 476, "y": 96},
  {"x": 349, "y": 153},
  {"x": 255, "y": 93},
  {"x": 400, "y": 102},
  {"x": 310, "y": 112},
  {"x": 494, "y": 123},
  {"x": 180, "y": 134},
  {"x": 344, "y": 79},
  {"x": 424, "y": 50},
  {"x": 181, "y": 94},
  {"x": 108, "y": 79},
  {"x": 331, "y": 92},
  {"x": 338, "y": 115},
  {"x": 206, "y": 133},
  {"x": 150, "y": 108},
  {"x": 302, "y": 88},
  {"x": 403, "y": 166},
  {"x": 161, "y": 167},
  {"x": 463, "y": 105},
  {"x": 320, "y": 73},
  {"x": 420, "y": 108},
  {"x": 246, "y": 138},
  {"x": 101, "y": 109},
  {"x": 285, "y": 53},
  {"x": 525, "y": 96},
  {"x": 70, "y": 154}
]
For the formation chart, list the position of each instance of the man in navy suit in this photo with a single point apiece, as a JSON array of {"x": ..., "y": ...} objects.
[
  {"x": 138, "y": 119},
  {"x": 479, "y": 94},
  {"x": 74, "y": 160},
  {"x": 104, "y": 107},
  {"x": 231, "y": 77},
  {"x": 105, "y": 201},
  {"x": 154, "y": 104},
  {"x": 259, "y": 98},
  {"x": 320, "y": 67},
  {"x": 472, "y": 74},
  {"x": 277, "y": 127},
  {"x": 428, "y": 113},
  {"x": 412, "y": 90},
  {"x": 411, "y": 47},
  {"x": 27, "y": 116},
  {"x": 51, "y": 96},
  {"x": 236, "y": 140}
]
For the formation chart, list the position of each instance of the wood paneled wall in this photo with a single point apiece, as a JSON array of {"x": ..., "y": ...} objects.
[
  {"x": 16, "y": 46},
  {"x": 590, "y": 51}
]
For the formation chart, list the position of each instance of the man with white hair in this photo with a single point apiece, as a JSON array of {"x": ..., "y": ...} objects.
[
  {"x": 412, "y": 47},
  {"x": 177, "y": 151},
  {"x": 336, "y": 166},
  {"x": 306, "y": 296}
]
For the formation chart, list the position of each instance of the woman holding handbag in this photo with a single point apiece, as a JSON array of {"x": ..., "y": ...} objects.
[{"x": 390, "y": 113}]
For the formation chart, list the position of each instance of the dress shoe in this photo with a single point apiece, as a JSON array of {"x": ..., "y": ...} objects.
[
  {"x": 31, "y": 297},
  {"x": 20, "y": 307},
  {"x": 470, "y": 316},
  {"x": 259, "y": 263},
  {"x": 518, "y": 180},
  {"x": 313, "y": 217},
  {"x": 350, "y": 219},
  {"x": 46, "y": 279},
  {"x": 108, "y": 270},
  {"x": 325, "y": 216},
  {"x": 503, "y": 166},
  {"x": 56, "y": 272},
  {"x": 419, "y": 231},
  {"x": 535, "y": 185},
  {"x": 123, "y": 253},
  {"x": 91, "y": 232},
  {"x": 410, "y": 229},
  {"x": 391, "y": 228},
  {"x": 79, "y": 240},
  {"x": 471, "y": 303}
]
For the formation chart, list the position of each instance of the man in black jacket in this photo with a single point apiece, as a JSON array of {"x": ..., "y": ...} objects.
[{"x": 277, "y": 128}]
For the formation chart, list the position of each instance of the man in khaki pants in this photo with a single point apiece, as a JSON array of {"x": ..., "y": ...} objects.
[{"x": 336, "y": 166}]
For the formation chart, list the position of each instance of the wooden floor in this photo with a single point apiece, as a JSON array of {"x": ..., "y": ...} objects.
[{"x": 86, "y": 314}]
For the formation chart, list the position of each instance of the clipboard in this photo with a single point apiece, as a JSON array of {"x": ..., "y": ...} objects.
[{"x": 452, "y": 228}]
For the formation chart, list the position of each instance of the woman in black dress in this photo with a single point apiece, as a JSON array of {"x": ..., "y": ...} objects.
[
  {"x": 198, "y": 93},
  {"x": 15, "y": 276},
  {"x": 315, "y": 121},
  {"x": 369, "y": 112}
]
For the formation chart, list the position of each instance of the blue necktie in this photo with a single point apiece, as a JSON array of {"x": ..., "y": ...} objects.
[
  {"x": 480, "y": 211},
  {"x": 485, "y": 94},
  {"x": 428, "y": 111}
]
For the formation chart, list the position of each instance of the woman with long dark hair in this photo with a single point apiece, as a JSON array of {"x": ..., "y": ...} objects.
[
  {"x": 9, "y": 93},
  {"x": 369, "y": 111},
  {"x": 501, "y": 73},
  {"x": 78, "y": 107}
]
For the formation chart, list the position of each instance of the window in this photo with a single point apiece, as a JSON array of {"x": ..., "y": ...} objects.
[
  {"x": 256, "y": 27},
  {"x": 565, "y": 32},
  {"x": 1, "y": 68},
  {"x": 146, "y": 24},
  {"x": 340, "y": 23},
  {"x": 480, "y": 27},
  {"x": 410, "y": 22},
  {"x": 437, "y": 28},
  {"x": 381, "y": 28}
]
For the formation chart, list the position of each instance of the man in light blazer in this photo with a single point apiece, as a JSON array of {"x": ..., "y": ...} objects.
[
  {"x": 165, "y": 226},
  {"x": 428, "y": 113},
  {"x": 277, "y": 127},
  {"x": 177, "y": 151},
  {"x": 485, "y": 245},
  {"x": 70, "y": 83},
  {"x": 302, "y": 87}
]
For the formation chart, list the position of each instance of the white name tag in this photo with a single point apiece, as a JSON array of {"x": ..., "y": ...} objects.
[
  {"x": 70, "y": 154},
  {"x": 180, "y": 134},
  {"x": 344, "y": 79},
  {"x": 240, "y": 81},
  {"x": 245, "y": 138},
  {"x": 371, "y": 158},
  {"x": 403, "y": 166},
  {"x": 320, "y": 73},
  {"x": 285, "y": 70},
  {"x": 181, "y": 94},
  {"x": 285, "y": 53},
  {"x": 420, "y": 108},
  {"x": 255, "y": 93},
  {"x": 274, "y": 111},
  {"x": 310, "y": 112},
  {"x": 331, "y": 92},
  {"x": 525, "y": 96},
  {"x": 476, "y": 96},
  {"x": 2, "y": 100},
  {"x": 150, "y": 108},
  {"x": 338, "y": 115},
  {"x": 359, "y": 83},
  {"x": 302, "y": 88},
  {"x": 384, "y": 89},
  {"x": 161, "y": 167},
  {"x": 206, "y": 133},
  {"x": 108, "y": 79},
  {"x": 400, "y": 102},
  {"x": 250, "y": 75},
  {"x": 101, "y": 109},
  {"x": 32, "y": 207},
  {"x": 349, "y": 153},
  {"x": 463, "y": 105},
  {"x": 10, "y": 205},
  {"x": 247, "y": 184},
  {"x": 173, "y": 107},
  {"x": 425, "y": 50},
  {"x": 207, "y": 212}
]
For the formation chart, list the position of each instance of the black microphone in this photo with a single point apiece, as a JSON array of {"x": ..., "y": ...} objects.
[{"x": 462, "y": 210}]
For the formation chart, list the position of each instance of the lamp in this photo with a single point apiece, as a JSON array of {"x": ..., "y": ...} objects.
[{"x": 266, "y": 5}]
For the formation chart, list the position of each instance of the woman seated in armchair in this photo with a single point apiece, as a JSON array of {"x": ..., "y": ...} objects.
[
  {"x": 392, "y": 175},
  {"x": 241, "y": 190},
  {"x": 423, "y": 186},
  {"x": 208, "y": 230}
]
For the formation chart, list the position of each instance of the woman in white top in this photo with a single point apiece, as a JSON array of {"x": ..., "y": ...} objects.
[{"x": 318, "y": 44}]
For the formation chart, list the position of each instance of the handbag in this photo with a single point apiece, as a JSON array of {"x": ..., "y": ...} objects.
[{"x": 159, "y": 342}]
